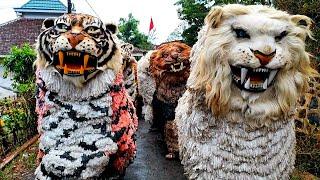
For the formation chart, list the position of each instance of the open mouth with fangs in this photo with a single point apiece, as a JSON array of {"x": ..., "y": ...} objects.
[
  {"x": 254, "y": 80},
  {"x": 177, "y": 67},
  {"x": 74, "y": 63}
]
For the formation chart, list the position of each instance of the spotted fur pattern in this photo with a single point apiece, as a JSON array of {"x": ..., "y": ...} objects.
[
  {"x": 87, "y": 127},
  {"x": 88, "y": 134}
]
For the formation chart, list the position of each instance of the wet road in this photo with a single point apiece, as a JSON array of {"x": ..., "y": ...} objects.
[{"x": 150, "y": 163}]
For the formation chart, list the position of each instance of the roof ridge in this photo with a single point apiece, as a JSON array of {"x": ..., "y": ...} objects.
[
  {"x": 17, "y": 19},
  {"x": 11, "y": 21},
  {"x": 45, "y": 4}
]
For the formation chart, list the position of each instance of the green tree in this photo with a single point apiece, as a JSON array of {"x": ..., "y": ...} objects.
[
  {"x": 128, "y": 32},
  {"x": 194, "y": 12}
]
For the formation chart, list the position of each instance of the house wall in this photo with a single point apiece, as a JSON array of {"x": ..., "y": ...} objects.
[{"x": 18, "y": 32}]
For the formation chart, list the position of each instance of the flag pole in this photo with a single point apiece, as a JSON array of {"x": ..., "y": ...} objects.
[{"x": 151, "y": 30}]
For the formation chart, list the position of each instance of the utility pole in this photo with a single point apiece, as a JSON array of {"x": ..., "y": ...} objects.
[{"x": 69, "y": 6}]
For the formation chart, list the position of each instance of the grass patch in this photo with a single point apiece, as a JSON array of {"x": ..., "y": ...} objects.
[{"x": 22, "y": 166}]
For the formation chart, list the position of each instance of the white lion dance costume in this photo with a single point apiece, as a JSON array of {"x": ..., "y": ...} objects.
[
  {"x": 249, "y": 67},
  {"x": 85, "y": 118}
]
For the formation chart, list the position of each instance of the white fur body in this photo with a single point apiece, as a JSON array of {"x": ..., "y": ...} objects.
[
  {"x": 62, "y": 132},
  {"x": 213, "y": 148},
  {"x": 147, "y": 86}
]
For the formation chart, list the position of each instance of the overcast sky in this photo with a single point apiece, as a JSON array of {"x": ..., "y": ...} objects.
[{"x": 163, "y": 12}]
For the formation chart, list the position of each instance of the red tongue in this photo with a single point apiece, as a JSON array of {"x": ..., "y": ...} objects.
[{"x": 254, "y": 78}]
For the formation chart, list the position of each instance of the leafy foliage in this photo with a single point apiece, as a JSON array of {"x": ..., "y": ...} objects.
[
  {"x": 17, "y": 123},
  {"x": 129, "y": 32},
  {"x": 309, "y": 8},
  {"x": 17, "y": 117},
  {"x": 15, "y": 114},
  {"x": 19, "y": 63},
  {"x": 193, "y": 12}
]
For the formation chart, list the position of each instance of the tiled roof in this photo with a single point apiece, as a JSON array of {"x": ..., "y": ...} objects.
[
  {"x": 44, "y": 5},
  {"x": 18, "y": 32}
]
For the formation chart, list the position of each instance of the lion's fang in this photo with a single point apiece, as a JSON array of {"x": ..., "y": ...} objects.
[
  {"x": 265, "y": 84},
  {"x": 271, "y": 76},
  {"x": 247, "y": 85},
  {"x": 244, "y": 72}
]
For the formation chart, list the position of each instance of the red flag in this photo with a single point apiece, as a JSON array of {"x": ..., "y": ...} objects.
[{"x": 151, "y": 26}]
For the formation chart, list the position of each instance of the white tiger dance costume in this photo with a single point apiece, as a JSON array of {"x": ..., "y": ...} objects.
[{"x": 87, "y": 131}]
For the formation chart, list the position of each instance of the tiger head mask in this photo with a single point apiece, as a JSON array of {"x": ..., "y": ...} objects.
[{"x": 78, "y": 46}]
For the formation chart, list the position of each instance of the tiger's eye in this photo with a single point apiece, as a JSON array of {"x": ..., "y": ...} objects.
[
  {"x": 92, "y": 30},
  {"x": 62, "y": 26}
]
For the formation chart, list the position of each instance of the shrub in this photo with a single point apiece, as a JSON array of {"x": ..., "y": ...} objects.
[
  {"x": 17, "y": 117},
  {"x": 19, "y": 64}
]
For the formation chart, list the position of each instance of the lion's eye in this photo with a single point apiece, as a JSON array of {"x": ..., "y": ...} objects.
[
  {"x": 241, "y": 33},
  {"x": 281, "y": 36},
  {"x": 92, "y": 30},
  {"x": 62, "y": 27}
]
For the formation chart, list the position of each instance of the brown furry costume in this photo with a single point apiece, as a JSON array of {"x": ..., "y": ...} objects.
[{"x": 169, "y": 68}]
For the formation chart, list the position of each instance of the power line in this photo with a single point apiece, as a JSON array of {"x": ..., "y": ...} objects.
[{"x": 92, "y": 9}]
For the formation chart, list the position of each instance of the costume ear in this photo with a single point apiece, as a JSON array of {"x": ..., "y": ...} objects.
[
  {"x": 154, "y": 54},
  {"x": 214, "y": 16},
  {"x": 112, "y": 28},
  {"x": 47, "y": 23},
  {"x": 301, "y": 21}
]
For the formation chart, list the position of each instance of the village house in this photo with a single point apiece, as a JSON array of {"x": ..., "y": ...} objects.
[{"x": 26, "y": 27}]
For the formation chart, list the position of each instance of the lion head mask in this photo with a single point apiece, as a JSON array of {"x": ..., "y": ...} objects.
[
  {"x": 170, "y": 57},
  {"x": 253, "y": 51}
]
